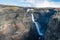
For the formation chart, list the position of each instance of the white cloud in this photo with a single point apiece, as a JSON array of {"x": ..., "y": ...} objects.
[
  {"x": 43, "y": 3},
  {"x": 48, "y": 3},
  {"x": 33, "y": 3}
]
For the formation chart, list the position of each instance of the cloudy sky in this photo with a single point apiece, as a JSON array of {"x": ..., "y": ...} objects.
[{"x": 32, "y": 3}]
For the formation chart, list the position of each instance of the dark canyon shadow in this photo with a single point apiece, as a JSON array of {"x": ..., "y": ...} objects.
[{"x": 42, "y": 18}]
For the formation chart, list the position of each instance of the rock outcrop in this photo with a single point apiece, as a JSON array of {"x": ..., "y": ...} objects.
[
  {"x": 53, "y": 31},
  {"x": 16, "y": 23}
]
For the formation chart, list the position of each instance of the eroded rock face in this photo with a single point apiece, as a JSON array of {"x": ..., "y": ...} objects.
[
  {"x": 14, "y": 25},
  {"x": 53, "y": 31}
]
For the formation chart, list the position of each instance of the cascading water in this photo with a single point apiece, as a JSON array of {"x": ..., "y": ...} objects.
[
  {"x": 42, "y": 23},
  {"x": 37, "y": 25}
]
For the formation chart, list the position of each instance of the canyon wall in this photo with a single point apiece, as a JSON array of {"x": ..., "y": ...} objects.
[{"x": 16, "y": 23}]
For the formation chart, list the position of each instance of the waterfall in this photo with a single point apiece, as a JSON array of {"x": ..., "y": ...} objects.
[{"x": 37, "y": 25}]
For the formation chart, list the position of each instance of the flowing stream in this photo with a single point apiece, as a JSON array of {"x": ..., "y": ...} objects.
[{"x": 37, "y": 25}]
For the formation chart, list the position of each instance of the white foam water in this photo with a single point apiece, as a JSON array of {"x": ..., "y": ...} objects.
[{"x": 37, "y": 25}]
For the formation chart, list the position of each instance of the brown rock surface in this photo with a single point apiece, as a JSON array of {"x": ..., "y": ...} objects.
[
  {"x": 16, "y": 24},
  {"x": 53, "y": 31}
]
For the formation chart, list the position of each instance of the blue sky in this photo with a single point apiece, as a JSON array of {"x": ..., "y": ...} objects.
[
  {"x": 32, "y": 3},
  {"x": 56, "y": 0}
]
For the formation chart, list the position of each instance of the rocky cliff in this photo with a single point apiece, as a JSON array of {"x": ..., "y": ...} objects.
[
  {"x": 53, "y": 31},
  {"x": 16, "y": 23}
]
